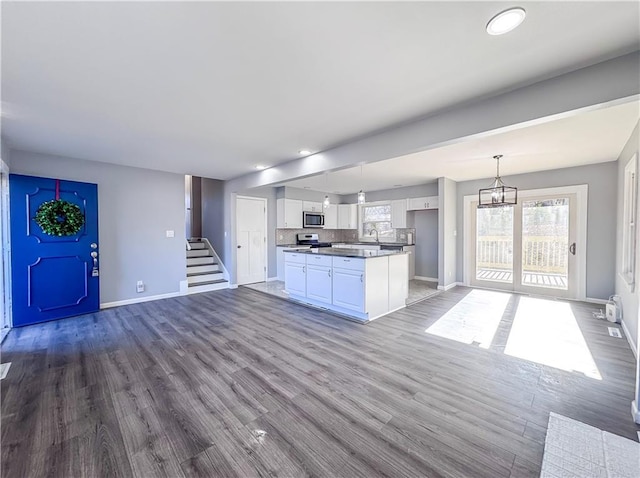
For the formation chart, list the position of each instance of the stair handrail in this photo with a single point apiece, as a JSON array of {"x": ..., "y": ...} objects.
[{"x": 225, "y": 272}]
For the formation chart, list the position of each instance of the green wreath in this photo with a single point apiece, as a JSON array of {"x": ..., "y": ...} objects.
[{"x": 59, "y": 218}]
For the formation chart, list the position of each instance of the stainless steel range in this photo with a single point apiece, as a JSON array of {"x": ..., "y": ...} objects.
[{"x": 304, "y": 239}]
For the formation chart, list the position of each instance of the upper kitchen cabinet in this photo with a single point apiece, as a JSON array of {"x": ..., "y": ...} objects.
[
  {"x": 331, "y": 217},
  {"x": 347, "y": 216},
  {"x": 289, "y": 213},
  {"x": 399, "y": 214},
  {"x": 311, "y": 206},
  {"x": 422, "y": 203}
]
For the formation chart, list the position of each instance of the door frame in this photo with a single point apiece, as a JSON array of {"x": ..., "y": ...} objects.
[
  {"x": 265, "y": 201},
  {"x": 5, "y": 259},
  {"x": 581, "y": 193}
]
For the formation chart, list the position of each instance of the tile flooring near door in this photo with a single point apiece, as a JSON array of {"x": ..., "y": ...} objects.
[{"x": 238, "y": 383}]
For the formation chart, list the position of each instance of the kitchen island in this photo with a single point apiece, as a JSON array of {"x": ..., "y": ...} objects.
[{"x": 361, "y": 284}]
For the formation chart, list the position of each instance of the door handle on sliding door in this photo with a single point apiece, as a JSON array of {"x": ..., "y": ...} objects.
[{"x": 572, "y": 248}]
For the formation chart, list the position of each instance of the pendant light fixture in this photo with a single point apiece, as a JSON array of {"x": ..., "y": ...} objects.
[
  {"x": 361, "y": 196},
  {"x": 326, "y": 203},
  {"x": 498, "y": 194}
]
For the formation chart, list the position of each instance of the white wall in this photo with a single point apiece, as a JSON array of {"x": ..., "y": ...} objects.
[
  {"x": 629, "y": 299},
  {"x": 601, "y": 220},
  {"x": 135, "y": 206}
]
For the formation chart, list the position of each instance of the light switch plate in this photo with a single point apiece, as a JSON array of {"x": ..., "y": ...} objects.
[{"x": 170, "y": 233}]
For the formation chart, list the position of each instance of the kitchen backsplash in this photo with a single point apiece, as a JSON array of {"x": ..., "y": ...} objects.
[{"x": 288, "y": 236}]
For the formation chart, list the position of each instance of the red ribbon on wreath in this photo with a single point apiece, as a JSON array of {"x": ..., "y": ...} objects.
[{"x": 57, "y": 189}]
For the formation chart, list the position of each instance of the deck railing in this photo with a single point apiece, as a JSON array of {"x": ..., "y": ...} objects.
[{"x": 539, "y": 254}]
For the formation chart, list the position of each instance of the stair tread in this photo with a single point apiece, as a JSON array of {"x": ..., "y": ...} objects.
[
  {"x": 200, "y": 265},
  {"x": 196, "y": 284},
  {"x": 196, "y": 274}
]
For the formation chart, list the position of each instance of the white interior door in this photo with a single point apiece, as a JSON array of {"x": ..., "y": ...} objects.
[
  {"x": 530, "y": 247},
  {"x": 252, "y": 239}
]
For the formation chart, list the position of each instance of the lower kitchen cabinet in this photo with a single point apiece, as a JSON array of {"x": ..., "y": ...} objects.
[
  {"x": 319, "y": 283},
  {"x": 295, "y": 278},
  {"x": 348, "y": 289},
  {"x": 362, "y": 286}
]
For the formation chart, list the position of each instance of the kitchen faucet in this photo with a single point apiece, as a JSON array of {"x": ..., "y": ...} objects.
[{"x": 373, "y": 229}]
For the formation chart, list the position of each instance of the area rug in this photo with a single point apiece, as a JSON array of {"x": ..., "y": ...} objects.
[{"x": 575, "y": 449}]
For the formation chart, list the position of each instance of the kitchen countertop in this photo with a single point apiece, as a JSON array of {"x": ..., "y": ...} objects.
[
  {"x": 336, "y": 251},
  {"x": 354, "y": 243},
  {"x": 301, "y": 246}
]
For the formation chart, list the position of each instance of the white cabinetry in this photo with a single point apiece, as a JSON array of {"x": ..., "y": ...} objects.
[
  {"x": 399, "y": 214},
  {"x": 312, "y": 206},
  {"x": 363, "y": 288},
  {"x": 289, "y": 213},
  {"x": 430, "y": 202},
  {"x": 348, "y": 289},
  {"x": 280, "y": 257},
  {"x": 331, "y": 217},
  {"x": 295, "y": 272},
  {"x": 319, "y": 278},
  {"x": 347, "y": 216},
  {"x": 412, "y": 260}
]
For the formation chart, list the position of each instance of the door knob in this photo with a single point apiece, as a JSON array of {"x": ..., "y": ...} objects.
[
  {"x": 93, "y": 245},
  {"x": 239, "y": 246}
]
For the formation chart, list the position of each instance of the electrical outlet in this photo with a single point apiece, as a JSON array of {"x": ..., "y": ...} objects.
[
  {"x": 139, "y": 286},
  {"x": 280, "y": 237}
]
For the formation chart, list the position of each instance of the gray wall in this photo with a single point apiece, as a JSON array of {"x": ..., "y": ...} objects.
[
  {"x": 629, "y": 299},
  {"x": 213, "y": 214},
  {"x": 196, "y": 206},
  {"x": 447, "y": 232},
  {"x": 135, "y": 206},
  {"x": 601, "y": 221},
  {"x": 426, "y": 225}
]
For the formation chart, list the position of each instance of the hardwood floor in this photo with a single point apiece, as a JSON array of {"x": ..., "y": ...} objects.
[{"x": 237, "y": 383}]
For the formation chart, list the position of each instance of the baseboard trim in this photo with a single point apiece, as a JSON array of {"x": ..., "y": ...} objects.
[
  {"x": 3, "y": 333},
  {"x": 450, "y": 286},
  {"x": 428, "y": 279},
  {"x": 147, "y": 298},
  {"x": 233, "y": 286},
  {"x": 595, "y": 301},
  {"x": 634, "y": 412},
  {"x": 632, "y": 344},
  {"x": 271, "y": 279}
]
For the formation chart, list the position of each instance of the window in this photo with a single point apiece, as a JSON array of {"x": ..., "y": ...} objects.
[
  {"x": 630, "y": 221},
  {"x": 378, "y": 217}
]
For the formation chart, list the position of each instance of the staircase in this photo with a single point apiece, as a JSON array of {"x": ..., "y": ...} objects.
[{"x": 203, "y": 270}]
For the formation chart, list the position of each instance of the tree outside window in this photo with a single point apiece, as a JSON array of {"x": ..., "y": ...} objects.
[{"x": 377, "y": 217}]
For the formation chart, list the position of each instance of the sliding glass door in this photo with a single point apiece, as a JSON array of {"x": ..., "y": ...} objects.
[{"x": 529, "y": 247}]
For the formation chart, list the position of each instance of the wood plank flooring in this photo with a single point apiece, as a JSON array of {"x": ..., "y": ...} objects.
[{"x": 238, "y": 383}]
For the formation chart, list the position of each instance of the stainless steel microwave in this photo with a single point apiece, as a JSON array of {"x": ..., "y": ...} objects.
[{"x": 312, "y": 219}]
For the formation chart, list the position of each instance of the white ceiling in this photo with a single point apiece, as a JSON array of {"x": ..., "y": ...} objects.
[
  {"x": 593, "y": 137},
  {"x": 215, "y": 88}
]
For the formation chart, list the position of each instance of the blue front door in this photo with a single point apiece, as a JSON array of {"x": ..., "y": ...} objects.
[{"x": 52, "y": 277}]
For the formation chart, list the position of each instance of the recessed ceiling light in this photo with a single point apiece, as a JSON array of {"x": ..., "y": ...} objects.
[
  {"x": 261, "y": 167},
  {"x": 304, "y": 152},
  {"x": 506, "y": 21}
]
